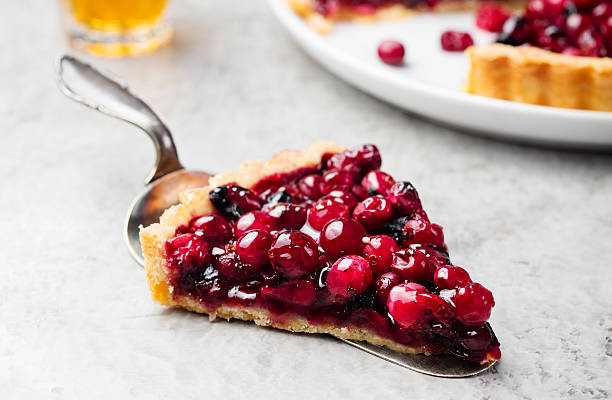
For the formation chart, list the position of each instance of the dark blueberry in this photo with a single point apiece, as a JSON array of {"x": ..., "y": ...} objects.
[
  {"x": 234, "y": 200},
  {"x": 515, "y": 32},
  {"x": 395, "y": 228},
  {"x": 281, "y": 196},
  {"x": 569, "y": 8},
  {"x": 367, "y": 299}
]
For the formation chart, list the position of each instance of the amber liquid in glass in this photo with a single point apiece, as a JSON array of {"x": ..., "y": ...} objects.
[{"x": 117, "y": 27}]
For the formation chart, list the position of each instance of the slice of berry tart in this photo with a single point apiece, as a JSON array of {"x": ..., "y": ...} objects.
[
  {"x": 322, "y": 14},
  {"x": 321, "y": 242},
  {"x": 555, "y": 53}
]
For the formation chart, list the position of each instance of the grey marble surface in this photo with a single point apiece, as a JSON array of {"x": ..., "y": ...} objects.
[{"x": 534, "y": 225}]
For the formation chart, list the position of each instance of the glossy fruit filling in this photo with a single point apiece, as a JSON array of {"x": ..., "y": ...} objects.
[
  {"x": 338, "y": 243},
  {"x": 578, "y": 28}
]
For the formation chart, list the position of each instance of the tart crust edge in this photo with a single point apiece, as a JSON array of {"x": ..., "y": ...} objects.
[
  {"x": 196, "y": 202},
  {"x": 536, "y": 76}
]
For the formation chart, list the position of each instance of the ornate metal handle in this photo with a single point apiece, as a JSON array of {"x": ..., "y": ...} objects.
[{"x": 87, "y": 85}]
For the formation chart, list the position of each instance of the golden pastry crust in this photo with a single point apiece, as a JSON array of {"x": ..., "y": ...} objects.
[
  {"x": 324, "y": 25},
  {"x": 535, "y": 76},
  {"x": 195, "y": 202}
]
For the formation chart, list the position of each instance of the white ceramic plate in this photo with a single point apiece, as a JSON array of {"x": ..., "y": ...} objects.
[{"x": 429, "y": 84}]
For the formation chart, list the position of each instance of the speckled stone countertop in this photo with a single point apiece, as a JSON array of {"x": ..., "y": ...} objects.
[{"x": 534, "y": 225}]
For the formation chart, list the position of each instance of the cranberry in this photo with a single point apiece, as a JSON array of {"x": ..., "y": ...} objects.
[
  {"x": 491, "y": 17},
  {"x": 576, "y": 23},
  {"x": 350, "y": 275},
  {"x": 434, "y": 256},
  {"x": 450, "y": 277},
  {"x": 339, "y": 180},
  {"x": 254, "y": 220},
  {"x": 456, "y": 41},
  {"x": 377, "y": 182},
  {"x": 187, "y": 252},
  {"x": 294, "y": 254},
  {"x": 413, "y": 266},
  {"x": 288, "y": 216},
  {"x": 474, "y": 338},
  {"x": 384, "y": 283},
  {"x": 473, "y": 304},
  {"x": 379, "y": 253},
  {"x": 602, "y": 11},
  {"x": 405, "y": 306},
  {"x": 310, "y": 186},
  {"x": 420, "y": 231},
  {"x": 253, "y": 246},
  {"x": 517, "y": 31},
  {"x": 213, "y": 228},
  {"x": 299, "y": 292},
  {"x": 342, "y": 236},
  {"x": 373, "y": 213},
  {"x": 234, "y": 200},
  {"x": 230, "y": 265},
  {"x": 405, "y": 198},
  {"x": 325, "y": 210},
  {"x": 357, "y": 161},
  {"x": 343, "y": 197},
  {"x": 391, "y": 52}
]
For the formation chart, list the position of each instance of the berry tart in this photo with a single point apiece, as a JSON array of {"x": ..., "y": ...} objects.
[
  {"x": 322, "y": 242},
  {"x": 322, "y": 14},
  {"x": 555, "y": 53}
]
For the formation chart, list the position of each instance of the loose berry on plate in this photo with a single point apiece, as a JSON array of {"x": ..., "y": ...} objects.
[
  {"x": 350, "y": 275},
  {"x": 373, "y": 213},
  {"x": 294, "y": 254},
  {"x": 456, "y": 41},
  {"x": 342, "y": 236},
  {"x": 391, "y": 52},
  {"x": 379, "y": 252},
  {"x": 473, "y": 303}
]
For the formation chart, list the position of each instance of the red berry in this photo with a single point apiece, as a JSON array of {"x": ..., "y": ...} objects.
[
  {"x": 288, "y": 216},
  {"x": 474, "y": 338},
  {"x": 234, "y": 200},
  {"x": 405, "y": 198},
  {"x": 456, "y": 41},
  {"x": 213, "y": 228},
  {"x": 310, "y": 186},
  {"x": 336, "y": 180},
  {"x": 253, "y": 246},
  {"x": 324, "y": 211},
  {"x": 373, "y": 213},
  {"x": 379, "y": 253},
  {"x": 342, "y": 236},
  {"x": 413, "y": 266},
  {"x": 343, "y": 197},
  {"x": 384, "y": 283},
  {"x": 357, "y": 161},
  {"x": 377, "y": 182},
  {"x": 298, "y": 292},
  {"x": 254, "y": 220},
  {"x": 350, "y": 275},
  {"x": 491, "y": 17},
  {"x": 187, "y": 252},
  {"x": 405, "y": 306},
  {"x": 230, "y": 265},
  {"x": 420, "y": 231},
  {"x": 473, "y": 304},
  {"x": 294, "y": 254},
  {"x": 450, "y": 277},
  {"x": 391, "y": 52}
]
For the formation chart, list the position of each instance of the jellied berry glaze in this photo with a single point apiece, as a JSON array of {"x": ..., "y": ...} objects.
[{"x": 336, "y": 243}]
